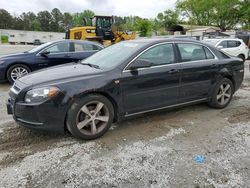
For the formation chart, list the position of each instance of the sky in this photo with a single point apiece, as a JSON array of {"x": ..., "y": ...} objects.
[{"x": 142, "y": 8}]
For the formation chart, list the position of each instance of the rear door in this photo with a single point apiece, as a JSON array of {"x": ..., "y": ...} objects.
[
  {"x": 199, "y": 69},
  {"x": 153, "y": 86},
  {"x": 232, "y": 47}
]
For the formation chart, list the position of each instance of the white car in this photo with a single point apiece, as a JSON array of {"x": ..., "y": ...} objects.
[{"x": 233, "y": 47}]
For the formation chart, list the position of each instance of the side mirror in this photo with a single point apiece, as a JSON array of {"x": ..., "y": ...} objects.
[
  {"x": 137, "y": 64},
  {"x": 45, "y": 53},
  {"x": 219, "y": 47}
]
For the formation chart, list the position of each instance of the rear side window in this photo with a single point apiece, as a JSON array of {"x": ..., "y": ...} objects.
[
  {"x": 191, "y": 52},
  {"x": 80, "y": 47},
  {"x": 233, "y": 44},
  {"x": 209, "y": 54},
  {"x": 224, "y": 55}
]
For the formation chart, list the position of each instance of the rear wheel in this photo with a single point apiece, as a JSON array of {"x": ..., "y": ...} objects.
[
  {"x": 17, "y": 71},
  {"x": 222, "y": 94},
  {"x": 90, "y": 117}
]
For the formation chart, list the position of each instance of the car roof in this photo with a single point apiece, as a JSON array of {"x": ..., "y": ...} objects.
[
  {"x": 223, "y": 39},
  {"x": 80, "y": 41},
  {"x": 161, "y": 40}
]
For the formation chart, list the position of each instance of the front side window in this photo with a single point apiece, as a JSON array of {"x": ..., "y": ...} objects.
[
  {"x": 158, "y": 55},
  {"x": 191, "y": 52},
  {"x": 59, "y": 48}
]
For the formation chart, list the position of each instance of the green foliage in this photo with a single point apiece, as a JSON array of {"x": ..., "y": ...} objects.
[
  {"x": 5, "y": 19},
  {"x": 245, "y": 9},
  {"x": 225, "y": 14},
  {"x": 78, "y": 18},
  {"x": 168, "y": 18},
  {"x": 4, "y": 39},
  {"x": 144, "y": 27}
]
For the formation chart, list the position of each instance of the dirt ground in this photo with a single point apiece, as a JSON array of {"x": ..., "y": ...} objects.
[{"x": 153, "y": 150}]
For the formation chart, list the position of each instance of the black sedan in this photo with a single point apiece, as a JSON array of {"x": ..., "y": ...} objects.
[
  {"x": 123, "y": 80},
  {"x": 49, "y": 54}
]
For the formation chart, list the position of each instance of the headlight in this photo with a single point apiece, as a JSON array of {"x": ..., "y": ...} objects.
[{"x": 41, "y": 94}]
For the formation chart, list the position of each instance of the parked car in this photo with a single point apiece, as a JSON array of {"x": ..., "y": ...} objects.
[
  {"x": 124, "y": 80},
  {"x": 233, "y": 47},
  {"x": 49, "y": 54}
]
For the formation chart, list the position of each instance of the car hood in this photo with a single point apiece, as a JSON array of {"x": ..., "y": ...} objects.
[
  {"x": 62, "y": 73},
  {"x": 15, "y": 56}
]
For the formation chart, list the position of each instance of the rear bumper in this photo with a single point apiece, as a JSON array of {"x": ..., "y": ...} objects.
[{"x": 238, "y": 79}]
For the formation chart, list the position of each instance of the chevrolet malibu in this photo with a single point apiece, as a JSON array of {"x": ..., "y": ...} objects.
[{"x": 123, "y": 80}]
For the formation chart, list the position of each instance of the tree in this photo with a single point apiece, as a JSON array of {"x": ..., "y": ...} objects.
[
  {"x": 36, "y": 25},
  {"x": 222, "y": 13},
  {"x": 78, "y": 18},
  {"x": 27, "y": 20},
  {"x": 5, "y": 19},
  {"x": 56, "y": 20},
  {"x": 168, "y": 18},
  {"x": 144, "y": 26},
  {"x": 245, "y": 9},
  {"x": 67, "y": 20},
  {"x": 45, "y": 19}
]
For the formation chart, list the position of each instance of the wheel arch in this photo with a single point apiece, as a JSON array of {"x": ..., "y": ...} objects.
[
  {"x": 243, "y": 55},
  {"x": 16, "y": 63},
  {"x": 228, "y": 75},
  {"x": 106, "y": 95}
]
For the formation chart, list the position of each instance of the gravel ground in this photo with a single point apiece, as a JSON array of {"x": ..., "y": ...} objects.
[{"x": 155, "y": 150}]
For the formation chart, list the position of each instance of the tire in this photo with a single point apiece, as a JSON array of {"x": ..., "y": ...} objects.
[
  {"x": 242, "y": 57},
  {"x": 90, "y": 117},
  {"x": 17, "y": 71},
  {"x": 222, "y": 94}
]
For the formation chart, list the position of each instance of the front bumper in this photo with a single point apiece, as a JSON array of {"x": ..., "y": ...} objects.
[
  {"x": 2, "y": 74},
  {"x": 48, "y": 116}
]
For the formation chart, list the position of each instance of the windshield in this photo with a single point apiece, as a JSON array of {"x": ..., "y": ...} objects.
[
  {"x": 36, "y": 49},
  {"x": 113, "y": 55}
]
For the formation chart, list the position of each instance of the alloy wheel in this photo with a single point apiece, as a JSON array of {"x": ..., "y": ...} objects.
[
  {"x": 224, "y": 94},
  {"x": 18, "y": 72},
  {"x": 92, "y": 118}
]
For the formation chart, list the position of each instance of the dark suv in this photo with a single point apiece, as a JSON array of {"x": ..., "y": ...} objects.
[{"x": 123, "y": 80}]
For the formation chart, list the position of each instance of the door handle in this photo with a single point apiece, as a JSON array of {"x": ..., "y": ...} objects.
[
  {"x": 214, "y": 65},
  {"x": 173, "y": 71}
]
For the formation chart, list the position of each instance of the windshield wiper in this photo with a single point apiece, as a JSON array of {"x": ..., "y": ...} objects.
[{"x": 91, "y": 65}]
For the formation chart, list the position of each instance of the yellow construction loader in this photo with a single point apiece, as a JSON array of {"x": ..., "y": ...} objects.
[{"x": 100, "y": 31}]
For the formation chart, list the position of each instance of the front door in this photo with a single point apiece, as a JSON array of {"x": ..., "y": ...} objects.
[
  {"x": 57, "y": 54},
  {"x": 151, "y": 81}
]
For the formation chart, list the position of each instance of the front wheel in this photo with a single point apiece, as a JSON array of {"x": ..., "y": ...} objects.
[
  {"x": 242, "y": 57},
  {"x": 17, "y": 71},
  {"x": 222, "y": 94},
  {"x": 90, "y": 117}
]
